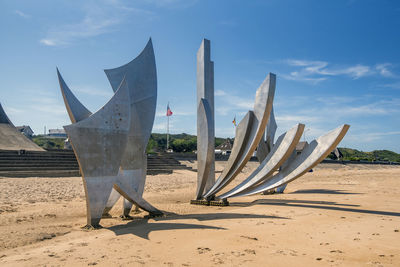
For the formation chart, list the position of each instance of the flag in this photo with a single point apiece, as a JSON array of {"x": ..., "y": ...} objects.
[
  {"x": 234, "y": 121},
  {"x": 169, "y": 112}
]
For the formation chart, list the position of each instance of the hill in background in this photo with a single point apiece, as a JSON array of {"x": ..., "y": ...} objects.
[
  {"x": 376, "y": 155},
  {"x": 188, "y": 143}
]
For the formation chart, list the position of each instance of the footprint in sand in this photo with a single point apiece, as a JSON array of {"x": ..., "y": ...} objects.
[
  {"x": 248, "y": 237},
  {"x": 202, "y": 250},
  {"x": 250, "y": 251}
]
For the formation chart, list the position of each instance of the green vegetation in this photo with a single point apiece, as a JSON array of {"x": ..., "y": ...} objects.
[
  {"x": 49, "y": 143},
  {"x": 188, "y": 143},
  {"x": 178, "y": 142},
  {"x": 376, "y": 155}
]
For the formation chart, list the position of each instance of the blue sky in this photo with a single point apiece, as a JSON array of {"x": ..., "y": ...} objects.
[{"x": 336, "y": 61}]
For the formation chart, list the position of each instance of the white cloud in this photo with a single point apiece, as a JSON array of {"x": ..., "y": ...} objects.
[
  {"x": 317, "y": 71},
  {"x": 22, "y": 14},
  {"x": 395, "y": 85},
  {"x": 383, "y": 69},
  {"x": 219, "y": 93},
  {"x": 90, "y": 90},
  {"x": 369, "y": 137},
  {"x": 10, "y": 111},
  {"x": 356, "y": 72},
  {"x": 172, "y": 3},
  {"x": 297, "y": 118},
  {"x": 49, "y": 42},
  {"x": 162, "y": 126},
  {"x": 100, "y": 18},
  {"x": 88, "y": 27},
  {"x": 228, "y": 102},
  {"x": 295, "y": 76}
]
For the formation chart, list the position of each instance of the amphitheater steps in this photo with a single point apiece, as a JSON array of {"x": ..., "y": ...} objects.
[{"x": 62, "y": 163}]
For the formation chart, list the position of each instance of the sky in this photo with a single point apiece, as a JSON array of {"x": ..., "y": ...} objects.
[{"x": 336, "y": 61}]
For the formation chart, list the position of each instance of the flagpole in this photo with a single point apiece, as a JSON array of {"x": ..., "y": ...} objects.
[{"x": 167, "y": 131}]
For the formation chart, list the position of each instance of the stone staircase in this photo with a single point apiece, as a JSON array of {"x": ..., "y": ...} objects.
[
  {"x": 163, "y": 163},
  {"x": 62, "y": 163}
]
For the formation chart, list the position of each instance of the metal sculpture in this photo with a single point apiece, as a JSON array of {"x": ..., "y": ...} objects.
[
  {"x": 265, "y": 146},
  {"x": 140, "y": 79},
  {"x": 205, "y": 120},
  {"x": 98, "y": 142},
  {"x": 282, "y": 150},
  {"x": 141, "y": 76},
  {"x": 312, "y": 154},
  {"x": 205, "y": 153},
  {"x": 77, "y": 112},
  {"x": 250, "y": 134}
]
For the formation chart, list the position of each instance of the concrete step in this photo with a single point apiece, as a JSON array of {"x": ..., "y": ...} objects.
[
  {"x": 60, "y": 173},
  {"x": 16, "y": 157},
  {"x": 41, "y": 168},
  {"x": 63, "y": 163},
  {"x": 48, "y": 173},
  {"x": 36, "y": 163}
]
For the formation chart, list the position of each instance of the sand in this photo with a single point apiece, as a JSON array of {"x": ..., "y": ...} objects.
[{"x": 334, "y": 216}]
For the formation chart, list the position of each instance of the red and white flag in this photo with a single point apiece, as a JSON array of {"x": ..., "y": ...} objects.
[{"x": 169, "y": 112}]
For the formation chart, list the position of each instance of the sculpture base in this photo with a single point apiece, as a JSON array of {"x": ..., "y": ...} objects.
[
  {"x": 200, "y": 202},
  {"x": 126, "y": 217},
  {"x": 204, "y": 202},
  {"x": 221, "y": 203},
  {"x": 89, "y": 227}
]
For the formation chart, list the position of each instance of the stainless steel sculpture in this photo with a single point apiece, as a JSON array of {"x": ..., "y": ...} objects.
[
  {"x": 270, "y": 131},
  {"x": 256, "y": 130},
  {"x": 265, "y": 146},
  {"x": 98, "y": 142},
  {"x": 141, "y": 76},
  {"x": 205, "y": 153},
  {"x": 205, "y": 120},
  {"x": 77, "y": 112},
  {"x": 312, "y": 154},
  {"x": 250, "y": 133},
  {"x": 140, "y": 79},
  {"x": 282, "y": 150}
]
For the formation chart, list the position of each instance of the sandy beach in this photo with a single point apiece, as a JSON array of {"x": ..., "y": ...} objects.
[{"x": 335, "y": 216}]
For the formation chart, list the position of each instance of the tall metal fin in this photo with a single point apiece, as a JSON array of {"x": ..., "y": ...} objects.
[
  {"x": 141, "y": 77},
  {"x": 205, "y": 119},
  {"x": 262, "y": 110},
  {"x": 76, "y": 110}
]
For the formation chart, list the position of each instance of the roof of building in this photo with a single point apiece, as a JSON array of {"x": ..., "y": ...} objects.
[
  {"x": 57, "y": 131},
  {"x": 24, "y": 128},
  {"x": 227, "y": 145},
  {"x": 301, "y": 145}
]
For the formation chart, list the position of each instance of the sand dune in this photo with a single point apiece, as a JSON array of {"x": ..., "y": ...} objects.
[{"x": 334, "y": 216}]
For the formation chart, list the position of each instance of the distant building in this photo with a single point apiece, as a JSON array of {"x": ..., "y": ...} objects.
[
  {"x": 25, "y": 130},
  {"x": 300, "y": 146},
  {"x": 225, "y": 148},
  {"x": 57, "y": 133}
]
